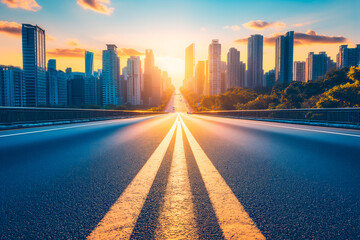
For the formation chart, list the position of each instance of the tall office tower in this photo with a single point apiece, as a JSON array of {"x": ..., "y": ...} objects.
[
  {"x": 166, "y": 81},
  {"x": 348, "y": 56},
  {"x": 110, "y": 76},
  {"x": 90, "y": 90},
  {"x": 299, "y": 71},
  {"x": 223, "y": 76},
  {"x": 214, "y": 67},
  {"x": 269, "y": 78},
  {"x": 190, "y": 67},
  {"x": 206, "y": 84},
  {"x": 11, "y": 86},
  {"x": 124, "y": 84},
  {"x": 134, "y": 80},
  {"x": 89, "y": 64},
  {"x": 52, "y": 84},
  {"x": 62, "y": 88},
  {"x": 34, "y": 65},
  {"x": 242, "y": 74},
  {"x": 255, "y": 61},
  {"x": 317, "y": 65},
  {"x": 200, "y": 78},
  {"x": 156, "y": 87},
  {"x": 284, "y": 55},
  {"x": 233, "y": 69},
  {"x": 148, "y": 72},
  {"x": 76, "y": 90}
]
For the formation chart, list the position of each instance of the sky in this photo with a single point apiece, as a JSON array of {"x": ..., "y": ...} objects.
[{"x": 168, "y": 27}]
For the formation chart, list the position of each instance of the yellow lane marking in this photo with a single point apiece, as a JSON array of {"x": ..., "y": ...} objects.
[
  {"x": 120, "y": 221},
  {"x": 177, "y": 219},
  {"x": 232, "y": 217}
]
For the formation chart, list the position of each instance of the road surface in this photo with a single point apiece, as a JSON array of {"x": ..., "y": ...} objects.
[{"x": 180, "y": 176}]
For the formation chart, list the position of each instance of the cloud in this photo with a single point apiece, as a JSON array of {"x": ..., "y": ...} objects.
[
  {"x": 99, "y": 6},
  {"x": 66, "y": 52},
  {"x": 233, "y": 27},
  {"x": 29, "y": 5},
  {"x": 10, "y": 28},
  {"x": 309, "y": 38},
  {"x": 49, "y": 38},
  {"x": 260, "y": 25},
  {"x": 123, "y": 52},
  {"x": 72, "y": 43}
]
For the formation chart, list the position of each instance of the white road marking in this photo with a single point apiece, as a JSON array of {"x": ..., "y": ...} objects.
[
  {"x": 295, "y": 128},
  {"x": 233, "y": 220},
  {"x": 120, "y": 221},
  {"x": 177, "y": 219}
]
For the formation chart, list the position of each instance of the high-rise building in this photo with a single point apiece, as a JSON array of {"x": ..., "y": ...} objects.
[
  {"x": 34, "y": 65},
  {"x": 269, "y": 78},
  {"x": 134, "y": 80},
  {"x": 223, "y": 76},
  {"x": 166, "y": 80},
  {"x": 190, "y": 67},
  {"x": 90, "y": 90},
  {"x": 299, "y": 71},
  {"x": 214, "y": 67},
  {"x": 156, "y": 87},
  {"x": 348, "y": 56},
  {"x": 233, "y": 68},
  {"x": 242, "y": 74},
  {"x": 317, "y": 65},
  {"x": 284, "y": 54},
  {"x": 89, "y": 64},
  {"x": 200, "y": 78},
  {"x": 148, "y": 73},
  {"x": 11, "y": 86},
  {"x": 52, "y": 84},
  {"x": 255, "y": 61},
  {"x": 62, "y": 88},
  {"x": 76, "y": 89},
  {"x": 111, "y": 76}
]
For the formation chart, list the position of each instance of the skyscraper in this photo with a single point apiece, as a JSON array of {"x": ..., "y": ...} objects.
[
  {"x": 190, "y": 67},
  {"x": 348, "y": 56},
  {"x": 214, "y": 67},
  {"x": 34, "y": 65},
  {"x": 89, "y": 64},
  {"x": 62, "y": 88},
  {"x": 11, "y": 86},
  {"x": 255, "y": 61},
  {"x": 269, "y": 78},
  {"x": 233, "y": 68},
  {"x": 299, "y": 71},
  {"x": 242, "y": 74},
  {"x": 317, "y": 65},
  {"x": 148, "y": 73},
  {"x": 134, "y": 80},
  {"x": 52, "y": 84},
  {"x": 200, "y": 78},
  {"x": 111, "y": 76},
  {"x": 284, "y": 54}
]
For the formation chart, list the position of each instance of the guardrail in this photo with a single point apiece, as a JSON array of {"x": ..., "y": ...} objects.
[
  {"x": 327, "y": 115},
  {"x": 17, "y": 115}
]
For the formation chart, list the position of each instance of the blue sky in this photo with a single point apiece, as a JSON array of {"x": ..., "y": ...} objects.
[{"x": 168, "y": 27}]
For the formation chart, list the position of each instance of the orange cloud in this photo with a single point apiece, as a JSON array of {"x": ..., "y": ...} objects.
[
  {"x": 66, "y": 52},
  {"x": 10, "y": 28},
  {"x": 260, "y": 25},
  {"x": 29, "y": 5},
  {"x": 125, "y": 52},
  {"x": 99, "y": 6},
  {"x": 308, "y": 38},
  {"x": 72, "y": 43}
]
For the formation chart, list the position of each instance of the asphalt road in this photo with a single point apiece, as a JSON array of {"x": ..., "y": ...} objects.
[{"x": 180, "y": 176}]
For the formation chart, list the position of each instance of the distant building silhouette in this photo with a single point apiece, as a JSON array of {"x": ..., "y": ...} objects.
[
  {"x": 76, "y": 90},
  {"x": 284, "y": 54},
  {"x": 348, "y": 56},
  {"x": 242, "y": 74},
  {"x": 52, "y": 83},
  {"x": 233, "y": 68},
  {"x": 148, "y": 76},
  {"x": 255, "y": 61},
  {"x": 269, "y": 78},
  {"x": 34, "y": 65},
  {"x": 89, "y": 64},
  {"x": 190, "y": 67},
  {"x": 214, "y": 68},
  {"x": 317, "y": 65},
  {"x": 299, "y": 71},
  {"x": 200, "y": 78},
  {"x": 11, "y": 86},
  {"x": 111, "y": 76},
  {"x": 134, "y": 80}
]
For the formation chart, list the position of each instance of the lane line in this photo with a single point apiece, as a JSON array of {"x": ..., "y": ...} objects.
[
  {"x": 55, "y": 129},
  {"x": 120, "y": 220},
  {"x": 177, "y": 219},
  {"x": 295, "y": 128},
  {"x": 232, "y": 217}
]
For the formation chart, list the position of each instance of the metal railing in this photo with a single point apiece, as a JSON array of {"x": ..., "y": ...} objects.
[
  {"x": 17, "y": 115},
  {"x": 327, "y": 115}
]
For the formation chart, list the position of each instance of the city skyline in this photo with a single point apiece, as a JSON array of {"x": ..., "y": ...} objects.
[{"x": 68, "y": 39}]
